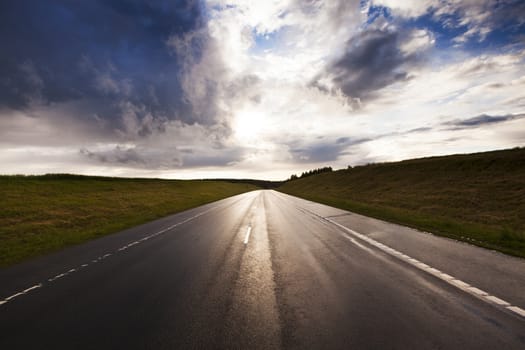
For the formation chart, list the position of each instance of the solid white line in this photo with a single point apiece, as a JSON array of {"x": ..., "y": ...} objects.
[
  {"x": 517, "y": 310},
  {"x": 247, "y": 235},
  {"x": 434, "y": 271},
  {"x": 497, "y": 300},
  {"x": 460, "y": 284},
  {"x": 2, "y": 302},
  {"x": 478, "y": 293},
  {"x": 446, "y": 277}
]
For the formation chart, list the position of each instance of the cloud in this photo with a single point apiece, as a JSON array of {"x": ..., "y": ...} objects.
[
  {"x": 480, "y": 17},
  {"x": 133, "y": 156},
  {"x": 161, "y": 158},
  {"x": 407, "y": 8},
  {"x": 110, "y": 53},
  {"x": 376, "y": 57},
  {"x": 476, "y": 19},
  {"x": 323, "y": 151},
  {"x": 482, "y": 120},
  {"x": 178, "y": 145}
]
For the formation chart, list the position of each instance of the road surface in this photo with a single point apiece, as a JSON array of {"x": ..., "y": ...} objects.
[{"x": 264, "y": 270}]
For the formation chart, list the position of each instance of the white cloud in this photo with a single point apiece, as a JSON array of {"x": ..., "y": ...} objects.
[
  {"x": 407, "y": 8},
  {"x": 419, "y": 40},
  {"x": 479, "y": 17}
]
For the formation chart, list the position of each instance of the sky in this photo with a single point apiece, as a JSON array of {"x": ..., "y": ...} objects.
[{"x": 255, "y": 89}]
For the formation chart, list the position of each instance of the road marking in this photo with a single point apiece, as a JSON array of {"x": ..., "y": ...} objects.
[
  {"x": 478, "y": 293},
  {"x": 100, "y": 258},
  {"x": 32, "y": 288},
  {"x": 517, "y": 310},
  {"x": 59, "y": 276},
  {"x": 14, "y": 296},
  {"x": 25, "y": 291},
  {"x": 497, "y": 300},
  {"x": 460, "y": 284},
  {"x": 358, "y": 244},
  {"x": 247, "y": 237}
]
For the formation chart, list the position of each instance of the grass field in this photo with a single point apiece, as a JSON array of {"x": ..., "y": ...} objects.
[
  {"x": 479, "y": 198},
  {"x": 40, "y": 214}
]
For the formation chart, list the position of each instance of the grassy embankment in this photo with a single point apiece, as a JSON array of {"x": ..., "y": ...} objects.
[
  {"x": 40, "y": 214},
  {"x": 479, "y": 198}
]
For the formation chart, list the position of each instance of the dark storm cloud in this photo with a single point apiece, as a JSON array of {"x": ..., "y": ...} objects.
[
  {"x": 323, "y": 151},
  {"x": 163, "y": 158},
  {"x": 136, "y": 157},
  {"x": 481, "y": 120},
  {"x": 106, "y": 52},
  {"x": 418, "y": 130},
  {"x": 215, "y": 158},
  {"x": 373, "y": 59},
  {"x": 370, "y": 63}
]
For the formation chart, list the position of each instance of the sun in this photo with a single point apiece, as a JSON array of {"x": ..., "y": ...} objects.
[{"x": 248, "y": 125}]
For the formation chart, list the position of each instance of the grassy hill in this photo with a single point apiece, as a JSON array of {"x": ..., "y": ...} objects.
[
  {"x": 45, "y": 213},
  {"x": 477, "y": 197}
]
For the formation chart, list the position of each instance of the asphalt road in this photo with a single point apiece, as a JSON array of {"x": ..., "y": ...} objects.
[{"x": 264, "y": 270}]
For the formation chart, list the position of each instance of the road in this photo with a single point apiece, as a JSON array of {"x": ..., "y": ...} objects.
[{"x": 264, "y": 270}]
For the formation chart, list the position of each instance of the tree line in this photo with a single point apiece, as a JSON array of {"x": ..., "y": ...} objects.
[{"x": 325, "y": 169}]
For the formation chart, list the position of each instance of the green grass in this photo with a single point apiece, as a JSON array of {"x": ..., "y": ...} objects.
[
  {"x": 40, "y": 214},
  {"x": 479, "y": 198}
]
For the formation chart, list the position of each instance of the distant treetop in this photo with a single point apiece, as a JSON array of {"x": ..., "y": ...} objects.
[{"x": 326, "y": 169}]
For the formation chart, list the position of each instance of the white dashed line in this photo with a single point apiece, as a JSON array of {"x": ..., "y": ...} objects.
[
  {"x": 100, "y": 258},
  {"x": 248, "y": 231},
  {"x": 14, "y": 296},
  {"x": 27, "y": 290},
  {"x": 478, "y": 293},
  {"x": 32, "y": 288},
  {"x": 59, "y": 276}
]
